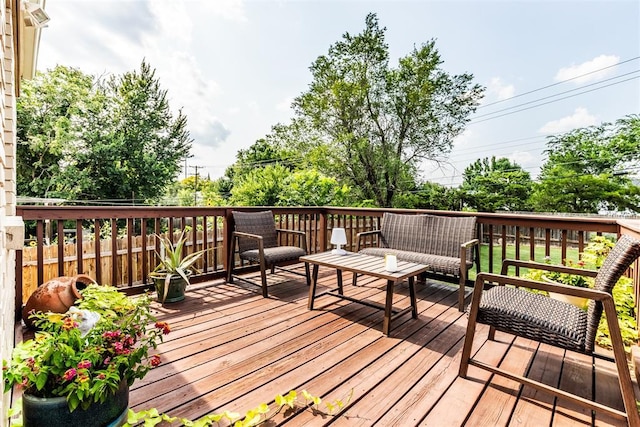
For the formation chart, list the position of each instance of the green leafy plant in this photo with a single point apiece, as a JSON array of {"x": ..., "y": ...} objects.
[
  {"x": 85, "y": 354},
  {"x": 253, "y": 417},
  {"x": 569, "y": 279},
  {"x": 172, "y": 263},
  {"x": 593, "y": 256}
]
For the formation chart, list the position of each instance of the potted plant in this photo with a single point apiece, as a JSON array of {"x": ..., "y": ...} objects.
[
  {"x": 171, "y": 275},
  {"x": 77, "y": 369}
]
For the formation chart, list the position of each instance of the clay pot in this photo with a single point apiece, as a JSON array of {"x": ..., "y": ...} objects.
[{"x": 56, "y": 295}]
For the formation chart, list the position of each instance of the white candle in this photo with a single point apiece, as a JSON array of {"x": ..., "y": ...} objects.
[{"x": 390, "y": 263}]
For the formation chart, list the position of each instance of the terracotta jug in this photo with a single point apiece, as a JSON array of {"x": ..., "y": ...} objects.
[{"x": 56, "y": 295}]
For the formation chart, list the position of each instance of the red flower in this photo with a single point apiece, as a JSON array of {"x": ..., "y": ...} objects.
[
  {"x": 68, "y": 323},
  {"x": 85, "y": 364},
  {"x": 120, "y": 349},
  {"x": 164, "y": 326},
  {"x": 70, "y": 374},
  {"x": 155, "y": 360}
]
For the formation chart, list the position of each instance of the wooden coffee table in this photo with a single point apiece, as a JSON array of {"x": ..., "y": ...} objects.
[{"x": 371, "y": 266}]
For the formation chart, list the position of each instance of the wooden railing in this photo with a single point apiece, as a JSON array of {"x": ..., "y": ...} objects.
[{"x": 108, "y": 243}]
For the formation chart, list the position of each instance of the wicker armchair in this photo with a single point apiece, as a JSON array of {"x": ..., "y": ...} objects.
[
  {"x": 256, "y": 240},
  {"x": 537, "y": 317}
]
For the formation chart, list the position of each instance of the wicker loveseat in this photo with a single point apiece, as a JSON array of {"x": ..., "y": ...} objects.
[{"x": 447, "y": 244}]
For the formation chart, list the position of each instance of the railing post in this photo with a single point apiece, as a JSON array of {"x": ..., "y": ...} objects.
[
  {"x": 228, "y": 226},
  {"x": 322, "y": 232}
]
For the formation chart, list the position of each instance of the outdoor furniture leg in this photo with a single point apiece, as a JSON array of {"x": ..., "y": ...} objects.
[
  {"x": 312, "y": 287},
  {"x": 339, "y": 278},
  {"x": 386, "y": 326},
  {"x": 412, "y": 298}
]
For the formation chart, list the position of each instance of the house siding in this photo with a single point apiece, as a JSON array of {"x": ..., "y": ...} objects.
[{"x": 7, "y": 190}]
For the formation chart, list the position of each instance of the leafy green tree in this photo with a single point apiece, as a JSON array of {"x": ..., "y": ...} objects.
[
  {"x": 430, "y": 195},
  {"x": 48, "y": 112},
  {"x": 491, "y": 185},
  {"x": 121, "y": 131},
  {"x": 381, "y": 122},
  {"x": 587, "y": 170},
  {"x": 311, "y": 188},
  {"x": 260, "y": 187}
]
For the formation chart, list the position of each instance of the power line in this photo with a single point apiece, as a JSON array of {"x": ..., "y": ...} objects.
[
  {"x": 561, "y": 82},
  {"x": 560, "y": 93},
  {"x": 551, "y": 102}
]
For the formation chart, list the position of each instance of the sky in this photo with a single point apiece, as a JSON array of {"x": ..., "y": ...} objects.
[{"x": 235, "y": 66}]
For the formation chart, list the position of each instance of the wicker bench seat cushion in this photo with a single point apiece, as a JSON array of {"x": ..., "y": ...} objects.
[
  {"x": 534, "y": 316},
  {"x": 274, "y": 255},
  {"x": 436, "y": 263}
]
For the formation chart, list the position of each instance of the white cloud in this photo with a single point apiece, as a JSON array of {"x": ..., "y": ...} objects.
[
  {"x": 587, "y": 70},
  {"x": 232, "y": 10},
  {"x": 499, "y": 89},
  {"x": 579, "y": 119},
  {"x": 523, "y": 158}
]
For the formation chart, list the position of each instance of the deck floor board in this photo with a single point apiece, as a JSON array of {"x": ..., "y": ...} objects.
[{"x": 231, "y": 349}]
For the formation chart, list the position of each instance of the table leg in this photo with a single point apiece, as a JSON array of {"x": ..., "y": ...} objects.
[
  {"x": 412, "y": 297},
  {"x": 388, "y": 307},
  {"x": 339, "y": 279},
  {"x": 312, "y": 287}
]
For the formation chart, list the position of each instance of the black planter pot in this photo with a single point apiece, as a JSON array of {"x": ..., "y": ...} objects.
[
  {"x": 54, "y": 411},
  {"x": 177, "y": 286}
]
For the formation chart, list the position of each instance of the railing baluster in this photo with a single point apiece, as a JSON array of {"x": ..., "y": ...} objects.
[
  {"x": 97, "y": 248},
  {"x": 40, "y": 251},
  {"x": 60, "y": 231},
  {"x": 143, "y": 248},
  {"x": 114, "y": 252},
  {"x": 130, "y": 226}
]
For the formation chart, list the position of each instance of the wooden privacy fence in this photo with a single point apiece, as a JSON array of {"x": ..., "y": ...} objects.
[{"x": 123, "y": 257}]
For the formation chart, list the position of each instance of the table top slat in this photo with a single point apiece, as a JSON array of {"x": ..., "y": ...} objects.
[{"x": 365, "y": 264}]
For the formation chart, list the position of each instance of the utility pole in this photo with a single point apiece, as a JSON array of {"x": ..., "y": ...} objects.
[{"x": 195, "y": 185}]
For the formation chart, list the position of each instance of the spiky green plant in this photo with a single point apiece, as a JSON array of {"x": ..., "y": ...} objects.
[{"x": 172, "y": 263}]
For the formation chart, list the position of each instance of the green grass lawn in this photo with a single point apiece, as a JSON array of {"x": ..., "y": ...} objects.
[{"x": 555, "y": 257}]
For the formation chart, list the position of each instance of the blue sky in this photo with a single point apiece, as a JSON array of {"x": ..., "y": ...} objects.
[{"x": 234, "y": 66}]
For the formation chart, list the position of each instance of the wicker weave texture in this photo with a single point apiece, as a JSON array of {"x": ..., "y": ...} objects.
[
  {"x": 623, "y": 254},
  {"x": 427, "y": 234},
  {"x": 534, "y": 316},
  {"x": 260, "y": 223},
  {"x": 274, "y": 255}
]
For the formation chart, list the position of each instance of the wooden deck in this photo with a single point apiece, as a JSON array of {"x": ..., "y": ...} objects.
[{"x": 231, "y": 349}]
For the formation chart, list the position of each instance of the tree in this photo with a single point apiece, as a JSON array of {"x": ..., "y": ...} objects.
[
  {"x": 47, "y": 126},
  {"x": 587, "y": 170},
  {"x": 260, "y": 187},
  {"x": 496, "y": 184},
  {"x": 311, "y": 188},
  {"x": 382, "y": 122},
  {"x": 430, "y": 195},
  {"x": 121, "y": 131}
]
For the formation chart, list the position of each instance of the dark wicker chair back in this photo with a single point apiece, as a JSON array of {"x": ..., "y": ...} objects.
[
  {"x": 260, "y": 223},
  {"x": 623, "y": 254}
]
